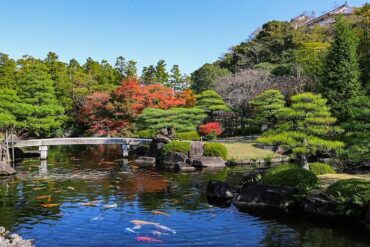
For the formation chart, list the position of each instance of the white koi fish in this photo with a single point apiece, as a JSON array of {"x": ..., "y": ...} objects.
[{"x": 165, "y": 228}]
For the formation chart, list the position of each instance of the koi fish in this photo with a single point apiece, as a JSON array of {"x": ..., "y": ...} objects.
[
  {"x": 148, "y": 239},
  {"x": 42, "y": 197},
  {"x": 93, "y": 203},
  {"x": 110, "y": 206},
  {"x": 50, "y": 205},
  {"x": 97, "y": 218},
  {"x": 130, "y": 230},
  {"x": 156, "y": 233},
  {"x": 70, "y": 188},
  {"x": 165, "y": 228},
  {"x": 159, "y": 213},
  {"x": 136, "y": 227},
  {"x": 141, "y": 222}
]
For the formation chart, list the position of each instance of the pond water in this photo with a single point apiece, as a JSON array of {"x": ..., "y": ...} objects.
[{"x": 88, "y": 196}]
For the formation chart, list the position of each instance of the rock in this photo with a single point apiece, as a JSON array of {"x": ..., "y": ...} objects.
[
  {"x": 206, "y": 162},
  {"x": 184, "y": 167},
  {"x": 321, "y": 204},
  {"x": 253, "y": 177},
  {"x": 262, "y": 195},
  {"x": 13, "y": 235},
  {"x": 280, "y": 150},
  {"x": 2, "y": 230},
  {"x": 174, "y": 158},
  {"x": 13, "y": 240},
  {"x": 196, "y": 149},
  {"x": 140, "y": 150},
  {"x": 18, "y": 153},
  {"x": 145, "y": 161},
  {"x": 163, "y": 137},
  {"x": 6, "y": 170},
  {"x": 219, "y": 190}
]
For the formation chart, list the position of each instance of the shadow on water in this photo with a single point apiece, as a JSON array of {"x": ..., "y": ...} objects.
[{"x": 88, "y": 196}]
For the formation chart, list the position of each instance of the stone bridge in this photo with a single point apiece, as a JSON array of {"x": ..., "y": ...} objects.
[{"x": 43, "y": 144}]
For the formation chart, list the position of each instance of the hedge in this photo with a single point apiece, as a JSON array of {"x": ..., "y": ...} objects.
[
  {"x": 189, "y": 136},
  {"x": 176, "y": 146},
  {"x": 320, "y": 168},
  {"x": 146, "y": 134},
  {"x": 215, "y": 149}
]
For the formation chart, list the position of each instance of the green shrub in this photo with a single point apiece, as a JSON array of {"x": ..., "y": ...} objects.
[
  {"x": 291, "y": 175},
  {"x": 320, "y": 168},
  {"x": 189, "y": 136},
  {"x": 176, "y": 146},
  {"x": 215, "y": 149},
  {"x": 351, "y": 190},
  {"x": 251, "y": 130},
  {"x": 146, "y": 134}
]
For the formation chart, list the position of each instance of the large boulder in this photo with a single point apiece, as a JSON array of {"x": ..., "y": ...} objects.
[
  {"x": 212, "y": 162},
  {"x": 321, "y": 204},
  {"x": 6, "y": 170},
  {"x": 219, "y": 190},
  {"x": 174, "y": 158},
  {"x": 262, "y": 195},
  {"x": 163, "y": 137},
  {"x": 144, "y": 161},
  {"x": 196, "y": 149}
]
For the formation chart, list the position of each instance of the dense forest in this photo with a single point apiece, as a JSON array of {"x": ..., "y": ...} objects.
[{"x": 321, "y": 67}]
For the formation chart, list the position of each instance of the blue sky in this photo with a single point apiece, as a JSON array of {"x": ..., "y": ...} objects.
[{"x": 184, "y": 32}]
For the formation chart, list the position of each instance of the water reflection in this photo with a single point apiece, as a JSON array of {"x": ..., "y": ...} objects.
[{"x": 90, "y": 195}]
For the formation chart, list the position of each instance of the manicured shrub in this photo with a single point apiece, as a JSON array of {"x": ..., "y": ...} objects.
[
  {"x": 291, "y": 175},
  {"x": 351, "y": 190},
  {"x": 320, "y": 168},
  {"x": 189, "y": 136},
  {"x": 176, "y": 146},
  {"x": 210, "y": 128},
  {"x": 215, "y": 149},
  {"x": 146, "y": 134}
]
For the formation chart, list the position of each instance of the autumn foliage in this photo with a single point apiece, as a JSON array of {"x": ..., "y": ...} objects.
[
  {"x": 114, "y": 113},
  {"x": 210, "y": 128}
]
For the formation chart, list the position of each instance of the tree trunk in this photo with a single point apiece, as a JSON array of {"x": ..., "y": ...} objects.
[{"x": 303, "y": 162}]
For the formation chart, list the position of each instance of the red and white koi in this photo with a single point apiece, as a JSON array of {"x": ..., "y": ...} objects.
[{"x": 148, "y": 239}]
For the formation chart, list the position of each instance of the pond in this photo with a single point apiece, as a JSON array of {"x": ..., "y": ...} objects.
[{"x": 88, "y": 196}]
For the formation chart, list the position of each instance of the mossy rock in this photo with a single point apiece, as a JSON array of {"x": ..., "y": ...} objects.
[
  {"x": 351, "y": 190},
  {"x": 321, "y": 168},
  {"x": 215, "y": 149},
  {"x": 291, "y": 175}
]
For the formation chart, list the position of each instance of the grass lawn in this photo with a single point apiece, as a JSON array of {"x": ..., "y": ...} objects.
[{"x": 246, "y": 150}]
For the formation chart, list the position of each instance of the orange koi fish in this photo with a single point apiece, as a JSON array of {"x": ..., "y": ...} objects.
[
  {"x": 160, "y": 213},
  {"x": 148, "y": 239}
]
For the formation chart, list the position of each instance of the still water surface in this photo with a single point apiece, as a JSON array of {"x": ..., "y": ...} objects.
[{"x": 88, "y": 196}]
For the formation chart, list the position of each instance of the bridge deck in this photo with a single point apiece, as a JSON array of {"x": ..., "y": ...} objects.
[{"x": 80, "y": 141}]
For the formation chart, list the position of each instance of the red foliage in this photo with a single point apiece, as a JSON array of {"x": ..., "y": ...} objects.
[
  {"x": 211, "y": 127},
  {"x": 188, "y": 96},
  {"x": 113, "y": 114},
  {"x": 143, "y": 96}
]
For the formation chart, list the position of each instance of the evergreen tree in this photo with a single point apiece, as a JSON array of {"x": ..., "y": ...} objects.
[
  {"x": 45, "y": 115},
  {"x": 210, "y": 101},
  {"x": 148, "y": 75},
  {"x": 62, "y": 83},
  {"x": 304, "y": 128},
  {"x": 8, "y": 105},
  {"x": 175, "y": 77},
  {"x": 131, "y": 70},
  {"x": 161, "y": 74},
  {"x": 204, "y": 78},
  {"x": 364, "y": 44},
  {"x": 340, "y": 81},
  {"x": 265, "y": 106},
  {"x": 7, "y": 72},
  {"x": 358, "y": 131}
]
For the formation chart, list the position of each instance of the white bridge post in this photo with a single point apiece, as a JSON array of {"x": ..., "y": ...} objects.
[
  {"x": 125, "y": 148},
  {"x": 43, "y": 152}
]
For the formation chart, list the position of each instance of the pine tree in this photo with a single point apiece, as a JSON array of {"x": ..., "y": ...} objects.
[
  {"x": 161, "y": 75},
  {"x": 265, "y": 106},
  {"x": 358, "y": 131},
  {"x": 304, "y": 128},
  {"x": 7, "y": 72},
  {"x": 210, "y": 101},
  {"x": 37, "y": 90},
  {"x": 340, "y": 81},
  {"x": 148, "y": 75},
  {"x": 131, "y": 70}
]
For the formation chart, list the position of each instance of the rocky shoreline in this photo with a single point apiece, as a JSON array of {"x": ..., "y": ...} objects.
[{"x": 8, "y": 239}]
